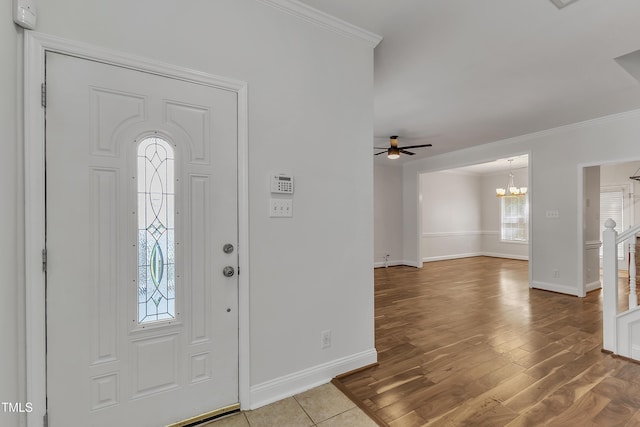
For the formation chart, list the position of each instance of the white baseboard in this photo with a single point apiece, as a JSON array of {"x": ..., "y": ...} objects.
[
  {"x": 446, "y": 257},
  {"x": 554, "y": 287},
  {"x": 507, "y": 256},
  {"x": 474, "y": 254},
  {"x": 388, "y": 264},
  {"x": 412, "y": 264},
  {"x": 395, "y": 263},
  {"x": 298, "y": 382},
  {"x": 635, "y": 352},
  {"x": 593, "y": 286}
]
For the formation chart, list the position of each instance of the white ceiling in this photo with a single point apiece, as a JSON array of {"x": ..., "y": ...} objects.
[
  {"x": 459, "y": 73},
  {"x": 499, "y": 165}
]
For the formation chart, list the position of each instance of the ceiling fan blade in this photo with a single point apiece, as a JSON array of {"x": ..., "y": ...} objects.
[
  {"x": 382, "y": 152},
  {"x": 418, "y": 146},
  {"x": 403, "y": 151},
  {"x": 380, "y": 148}
]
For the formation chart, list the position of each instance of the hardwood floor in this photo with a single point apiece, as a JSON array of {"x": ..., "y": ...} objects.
[{"x": 466, "y": 342}]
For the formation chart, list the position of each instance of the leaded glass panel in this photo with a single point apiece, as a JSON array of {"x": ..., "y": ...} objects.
[{"x": 156, "y": 231}]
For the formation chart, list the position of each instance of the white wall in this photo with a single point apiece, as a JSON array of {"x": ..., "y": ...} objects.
[
  {"x": 387, "y": 214},
  {"x": 591, "y": 228},
  {"x": 309, "y": 90},
  {"x": 492, "y": 245},
  {"x": 461, "y": 215},
  {"x": 556, "y": 159},
  {"x": 451, "y": 215},
  {"x": 618, "y": 175},
  {"x": 11, "y": 352}
]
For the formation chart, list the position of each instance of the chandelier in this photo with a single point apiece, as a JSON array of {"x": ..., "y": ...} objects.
[{"x": 511, "y": 189}]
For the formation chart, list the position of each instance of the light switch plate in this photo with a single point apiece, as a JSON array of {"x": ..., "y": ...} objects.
[
  {"x": 280, "y": 208},
  {"x": 553, "y": 214}
]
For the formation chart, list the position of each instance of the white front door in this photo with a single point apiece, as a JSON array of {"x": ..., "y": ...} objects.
[{"x": 141, "y": 199}]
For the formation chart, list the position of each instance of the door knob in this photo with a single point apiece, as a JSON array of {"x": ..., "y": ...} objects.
[{"x": 228, "y": 271}]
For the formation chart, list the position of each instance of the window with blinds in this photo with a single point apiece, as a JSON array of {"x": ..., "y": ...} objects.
[
  {"x": 514, "y": 218},
  {"x": 612, "y": 206}
]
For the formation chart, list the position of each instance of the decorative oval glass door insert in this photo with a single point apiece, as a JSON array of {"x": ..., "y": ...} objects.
[{"x": 156, "y": 231}]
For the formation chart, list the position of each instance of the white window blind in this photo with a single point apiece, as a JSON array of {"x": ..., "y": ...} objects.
[
  {"x": 612, "y": 206},
  {"x": 514, "y": 218}
]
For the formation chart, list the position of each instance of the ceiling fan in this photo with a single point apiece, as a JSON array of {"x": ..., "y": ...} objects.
[{"x": 393, "y": 152}]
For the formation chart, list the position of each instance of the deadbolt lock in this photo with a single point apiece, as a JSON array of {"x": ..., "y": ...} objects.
[{"x": 227, "y": 248}]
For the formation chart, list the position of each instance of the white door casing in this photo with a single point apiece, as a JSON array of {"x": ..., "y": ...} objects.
[{"x": 183, "y": 348}]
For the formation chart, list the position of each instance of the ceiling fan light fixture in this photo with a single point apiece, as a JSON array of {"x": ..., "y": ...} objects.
[{"x": 393, "y": 153}]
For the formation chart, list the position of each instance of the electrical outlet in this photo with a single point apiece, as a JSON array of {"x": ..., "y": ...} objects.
[
  {"x": 325, "y": 339},
  {"x": 556, "y": 274}
]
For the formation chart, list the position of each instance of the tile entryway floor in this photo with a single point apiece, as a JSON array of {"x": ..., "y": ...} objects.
[{"x": 323, "y": 406}]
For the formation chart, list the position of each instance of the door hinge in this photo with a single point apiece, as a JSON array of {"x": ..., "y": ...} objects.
[
  {"x": 45, "y": 419},
  {"x": 43, "y": 94},
  {"x": 44, "y": 260}
]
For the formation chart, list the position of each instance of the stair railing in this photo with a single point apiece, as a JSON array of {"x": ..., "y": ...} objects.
[{"x": 610, "y": 241}]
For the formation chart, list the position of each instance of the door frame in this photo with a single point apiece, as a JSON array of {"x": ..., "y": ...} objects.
[{"x": 35, "y": 46}]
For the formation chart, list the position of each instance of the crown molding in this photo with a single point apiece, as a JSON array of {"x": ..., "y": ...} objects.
[{"x": 324, "y": 20}]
